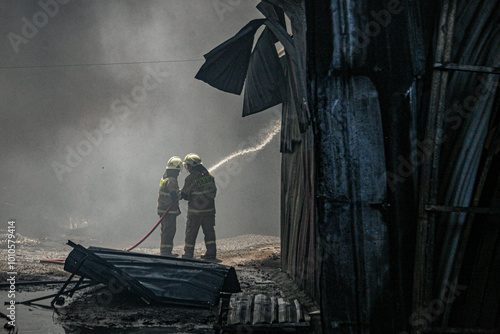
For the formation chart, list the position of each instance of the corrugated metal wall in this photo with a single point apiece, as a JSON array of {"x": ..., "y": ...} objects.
[
  {"x": 358, "y": 79},
  {"x": 369, "y": 106},
  {"x": 300, "y": 253},
  {"x": 349, "y": 85},
  {"x": 335, "y": 240}
]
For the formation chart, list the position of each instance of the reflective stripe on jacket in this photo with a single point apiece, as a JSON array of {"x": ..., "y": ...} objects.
[
  {"x": 201, "y": 190},
  {"x": 168, "y": 185}
]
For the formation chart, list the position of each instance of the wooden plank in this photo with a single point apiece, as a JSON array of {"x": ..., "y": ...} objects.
[
  {"x": 298, "y": 311},
  {"x": 261, "y": 310},
  {"x": 282, "y": 317},
  {"x": 240, "y": 311},
  {"x": 274, "y": 310},
  {"x": 233, "y": 317},
  {"x": 258, "y": 311},
  {"x": 248, "y": 310}
]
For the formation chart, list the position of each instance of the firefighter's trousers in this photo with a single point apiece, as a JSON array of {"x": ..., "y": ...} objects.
[
  {"x": 168, "y": 228},
  {"x": 207, "y": 223}
]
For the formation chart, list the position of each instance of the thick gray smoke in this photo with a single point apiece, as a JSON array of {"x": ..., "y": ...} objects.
[{"x": 90, "y": 143}]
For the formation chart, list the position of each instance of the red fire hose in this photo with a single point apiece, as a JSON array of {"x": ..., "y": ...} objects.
[
  {"x": 61, "y": 261},
  {"x": 152, "y": 230}
]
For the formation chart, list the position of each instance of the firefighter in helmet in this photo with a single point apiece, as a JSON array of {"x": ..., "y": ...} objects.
[
  {"x": 168, "y": 196},
  {"x": 199, "y": 190}
]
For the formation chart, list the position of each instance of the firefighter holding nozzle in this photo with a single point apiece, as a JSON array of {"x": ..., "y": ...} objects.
[
  {"x": 199, "y": 190},
  {"x": 168, "y": 195}
]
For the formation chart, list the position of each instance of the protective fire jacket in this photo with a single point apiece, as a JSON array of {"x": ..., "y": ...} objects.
[
  {"x": 168, "y": 193},
  {"x": 200, "y": 190}
]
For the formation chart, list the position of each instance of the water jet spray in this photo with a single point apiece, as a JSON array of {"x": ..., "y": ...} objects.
[{"x": 272, "y": 131}]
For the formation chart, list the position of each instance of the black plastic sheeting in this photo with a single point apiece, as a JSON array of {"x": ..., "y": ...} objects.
[
  {"x": 265, "y": 86},
  {"x": 154, "y": 278},
  {"x": 229, "y": 64},
  {"x": 226, "y": 66},
  {"x": 270, "y": 80}
]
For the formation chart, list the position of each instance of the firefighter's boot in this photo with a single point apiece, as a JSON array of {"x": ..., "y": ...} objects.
[
  {"x": 211, "y": 252},
  {"x": 165, "y": 250},
  {"x": 168, "y": 253},
  {"x": 188, "y": 253}
]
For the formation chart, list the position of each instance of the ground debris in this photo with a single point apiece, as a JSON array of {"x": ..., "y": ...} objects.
[
  {"x": 21, "y": 240},
  {"x": 256, "y": 260}
]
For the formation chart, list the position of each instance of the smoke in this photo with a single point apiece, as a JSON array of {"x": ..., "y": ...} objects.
[{"x": 89, "y": 143}]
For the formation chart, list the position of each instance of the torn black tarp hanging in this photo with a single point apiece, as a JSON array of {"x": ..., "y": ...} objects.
[
  {"x": 226, "y": 66},
  {"x": 265, "y": 86},
  {"x": 229, "y": 64},
  {"x": 154, "y": 278}
]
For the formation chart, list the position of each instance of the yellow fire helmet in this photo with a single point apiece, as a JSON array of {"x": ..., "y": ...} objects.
[
  {"x": 192, "y": 160},
  {"x": 175, "y": 163}
]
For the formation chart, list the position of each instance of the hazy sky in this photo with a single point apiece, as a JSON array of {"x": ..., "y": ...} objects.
[{"x": 91, "y": 142}]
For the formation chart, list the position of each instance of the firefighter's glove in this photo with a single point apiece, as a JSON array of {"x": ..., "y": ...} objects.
[{"x": 184, "y": 196}]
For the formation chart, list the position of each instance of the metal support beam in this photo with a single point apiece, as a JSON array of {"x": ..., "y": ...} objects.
[
  {"x": 422, "y": 282},
  {"x": 476, "y": 210},
  {"x": 27, "y": 283},
  {"x": 464, "y": 237},
  {"x": 57, "y": 295},
  {"x": 67, "y": 282},
  {"x": 467, "y": 68},
  {"x": 462, "y": 330}
]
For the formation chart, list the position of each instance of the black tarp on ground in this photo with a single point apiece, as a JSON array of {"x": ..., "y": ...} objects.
[{"x": 154, "y": 278}]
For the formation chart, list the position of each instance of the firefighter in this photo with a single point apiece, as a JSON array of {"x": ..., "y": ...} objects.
[
  {"x": 199, "y": 190},
  {"x": 168, "y": 194}
]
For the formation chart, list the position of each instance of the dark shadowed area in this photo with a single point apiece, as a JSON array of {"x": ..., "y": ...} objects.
[{"x": 85, "y": 146}]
